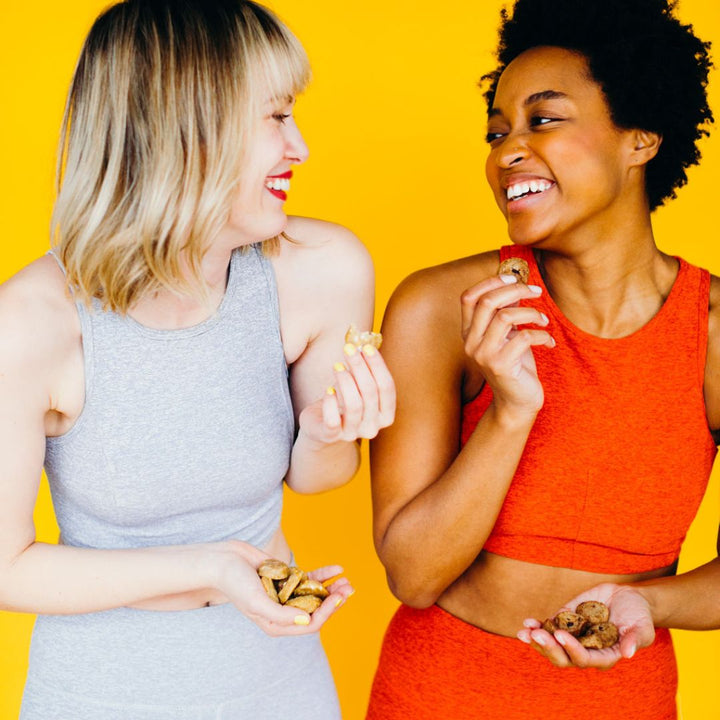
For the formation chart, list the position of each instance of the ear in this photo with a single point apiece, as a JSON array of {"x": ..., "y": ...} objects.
[{"x": 645, "y": 146}]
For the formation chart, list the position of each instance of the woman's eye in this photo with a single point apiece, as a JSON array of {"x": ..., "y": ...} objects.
[
  {"x": 281, "y": 117},
  {"x": 492, "y": 136},
  {"x": 541, "y": 120}
]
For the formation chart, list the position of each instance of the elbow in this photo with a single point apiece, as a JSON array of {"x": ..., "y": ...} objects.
[{"x": 414, "y": 592}]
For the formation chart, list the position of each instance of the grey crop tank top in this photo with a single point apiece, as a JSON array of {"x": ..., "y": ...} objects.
[{"x": 185, "y": 435}]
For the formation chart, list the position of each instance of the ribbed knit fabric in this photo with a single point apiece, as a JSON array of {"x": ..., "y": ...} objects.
[
  {"x": 434, "y": 666},
  {"x": 619, "y": 456},
  {"x": 186, "y": 434}
]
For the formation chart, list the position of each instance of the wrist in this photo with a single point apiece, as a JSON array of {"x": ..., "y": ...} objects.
[
  {"x": 512, "y": 418},
  {"x": 649, "y": 590},
  {"x": 315, "y": 444}
]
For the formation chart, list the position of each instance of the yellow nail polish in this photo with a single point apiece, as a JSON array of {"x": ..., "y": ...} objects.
[
  {"x": 339, "y": 367},
  {"x": 349, "y": 349},
  {"x": 369, "y": 350},
  {"x": 338, "y": 602},
  {"x": 302, "y": 620},
  {"x": 330, "y": 391}
]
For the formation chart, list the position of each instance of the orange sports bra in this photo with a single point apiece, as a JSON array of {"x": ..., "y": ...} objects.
[{"x": 619, "y": 457}]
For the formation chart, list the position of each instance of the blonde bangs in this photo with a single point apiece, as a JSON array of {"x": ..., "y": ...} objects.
[{"x": 160, "y": 110}]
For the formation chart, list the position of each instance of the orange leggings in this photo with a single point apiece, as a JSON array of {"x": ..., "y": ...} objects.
[{"x": 434, "y": 666}]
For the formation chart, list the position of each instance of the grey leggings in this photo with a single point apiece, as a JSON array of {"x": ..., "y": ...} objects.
[{"x": 206, "y": 664}]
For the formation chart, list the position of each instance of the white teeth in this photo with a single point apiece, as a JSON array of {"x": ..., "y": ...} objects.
[
  {"x": 523, "y": 188},
  {"x": 278, "y": 184}
]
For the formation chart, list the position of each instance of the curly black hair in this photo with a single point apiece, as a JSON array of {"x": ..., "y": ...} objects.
[{"x": 652, "y": 69}]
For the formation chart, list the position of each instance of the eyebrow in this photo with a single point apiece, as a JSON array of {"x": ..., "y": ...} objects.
[{"x": 535, "y": 97}]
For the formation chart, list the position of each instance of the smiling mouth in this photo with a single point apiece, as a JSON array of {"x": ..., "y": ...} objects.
[
  {"x": 279, "y": 185},
  {"x": 530, "y": 187}
]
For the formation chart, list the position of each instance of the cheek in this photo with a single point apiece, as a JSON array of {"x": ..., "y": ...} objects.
[{"x": 492, "y": 175}]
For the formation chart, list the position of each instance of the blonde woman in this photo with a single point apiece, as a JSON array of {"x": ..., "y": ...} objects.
[{"x": 169, "y": 364}]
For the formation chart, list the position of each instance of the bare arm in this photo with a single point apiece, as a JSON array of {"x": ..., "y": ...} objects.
[
  {"x": 326, "y": 283},
  {"x": 688, "y": 601},
  {"x": 434, "y": 504},
  {"x": 37, "y": 323}
]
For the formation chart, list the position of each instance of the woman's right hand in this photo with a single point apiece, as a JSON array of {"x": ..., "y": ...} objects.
[
  {"x": 238, "y": 580},
  {"x": 490, "y": 318}
]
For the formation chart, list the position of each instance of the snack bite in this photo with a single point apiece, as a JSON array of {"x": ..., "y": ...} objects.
[
  {"x": 357, "y": 338},
  {"x": 517, "y": 267}
]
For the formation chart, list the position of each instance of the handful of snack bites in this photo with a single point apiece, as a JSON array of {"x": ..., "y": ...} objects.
[
  {"x": 354, "y": 337},
  {"x": 590, "y": 624},
  {"x": 291, "y": 586}
]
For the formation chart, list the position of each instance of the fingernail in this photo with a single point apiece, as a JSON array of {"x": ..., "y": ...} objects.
[
  {"x": 535, "y": 289},
  {"x": 562, "y": 640},
  {"x": 632, "y": 651},
  {"x": 508, "y": 279},
  {"x": 552, "y": 340},
  {"x": 351, "y": 593},
  {"x": 523, "y": 638},
  {"x": 302, "y": 620},
  {"x": 369, "y": 350},
  {"x": 544, "y": 318},
  {"x": 349, "y": 349},
  {"x": 338, "y": 602},
  {"x": 339, "y": 367},
  {"x": 330, "y": 391},
  {"x": 539, "y": 640}
]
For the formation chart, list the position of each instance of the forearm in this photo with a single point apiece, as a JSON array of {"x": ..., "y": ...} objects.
[
  {"x": 316, "y": 466},
  {"x": 690, "y": 601},
  {"x": 58, "y": 579},
  {"x": 437, "y": 536}
]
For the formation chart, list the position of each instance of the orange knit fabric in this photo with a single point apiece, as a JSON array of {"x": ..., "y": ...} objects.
[
  {"x": 434, "y": 666},
  {"x": 619, "y": 457}
]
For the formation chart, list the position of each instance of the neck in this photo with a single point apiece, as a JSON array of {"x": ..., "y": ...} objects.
[
  {"x": 609, "y": 286},
  {"x": 169, "y": 310}
]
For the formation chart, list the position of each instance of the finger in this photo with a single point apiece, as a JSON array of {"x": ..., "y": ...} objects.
[
  {"x": 521, "y": 342},
  {"x": 364, "y": 380},
  {"x": 583, "y": 657},
  {"x": 478, "y": 309},
  {"x": 327, "y": 572},
  {"x": 342, "y": 587},
  {"x": 385, "y": 384},
  {"x": 628, "y": 644},
  {"x": 349, "y": 397},
  {"x": 548, "y": 646},
  {"x": 272, "y": 616},
  {"x": 507, "y": 319},
  {"x": 532, "y": 623},
  {"x": 331, "y": 409}
]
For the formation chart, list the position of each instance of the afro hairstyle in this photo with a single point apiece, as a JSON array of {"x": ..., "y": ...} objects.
[{"x": 652, "y": 69}]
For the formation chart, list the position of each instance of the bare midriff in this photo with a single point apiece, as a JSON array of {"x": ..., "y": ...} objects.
[
  {"x": 497, "y": 593},
  {"x": 203, "y": 597}
]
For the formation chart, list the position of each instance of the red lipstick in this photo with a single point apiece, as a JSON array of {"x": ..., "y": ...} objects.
[{"x": 280, "y": 194}]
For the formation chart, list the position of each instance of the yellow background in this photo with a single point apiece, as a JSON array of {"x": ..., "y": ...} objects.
[{"x": 395, "y": 126}]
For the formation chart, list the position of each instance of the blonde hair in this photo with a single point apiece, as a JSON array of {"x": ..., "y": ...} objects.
[{"x": 160, "y": 108}]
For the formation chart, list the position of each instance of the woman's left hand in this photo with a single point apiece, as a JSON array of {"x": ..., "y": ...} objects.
[
  {"x": 359, "y": 405},
  {"x": 629, "y": 611}
]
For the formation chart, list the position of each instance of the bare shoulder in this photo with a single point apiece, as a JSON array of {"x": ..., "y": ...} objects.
[
  {"x": 325, "y": 246},
  {"x": 433, "y": 294},
  {"x": 37, "y": 315}
]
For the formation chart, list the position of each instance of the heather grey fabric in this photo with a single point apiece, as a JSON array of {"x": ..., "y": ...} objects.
[{"x": 185, "y": 437}]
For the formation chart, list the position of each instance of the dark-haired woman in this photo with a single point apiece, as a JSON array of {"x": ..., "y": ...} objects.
[{"x": 555, "y": 437}]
